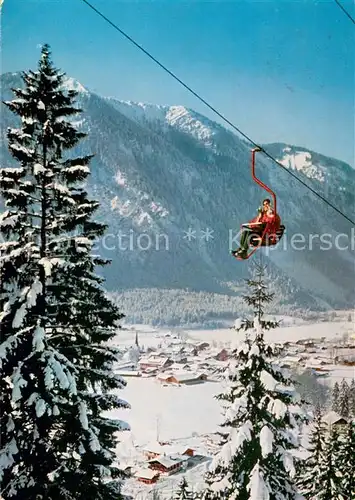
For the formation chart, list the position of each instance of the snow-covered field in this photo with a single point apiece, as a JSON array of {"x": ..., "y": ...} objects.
[
  {"x": 170, "y": 411},
  {"x": 288, "y": 331},
  {"x": 329, "y": 330},
  {"x": 190, "y": 415}
]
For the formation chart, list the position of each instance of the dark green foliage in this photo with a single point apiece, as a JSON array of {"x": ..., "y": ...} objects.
[
  {"x": 56, "y": 320},
  {"x": 352, "y": 398},
  {"x": 344, "y": 399},
  {"x": 346, "y": 462},
  {"x": 335, "y": 397},
  {"x": 312, "y": 468},
  {"x": 328, "y": 471}
]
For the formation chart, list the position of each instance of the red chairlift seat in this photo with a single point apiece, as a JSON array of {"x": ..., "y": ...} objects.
[{"x": 272, "y": 230}]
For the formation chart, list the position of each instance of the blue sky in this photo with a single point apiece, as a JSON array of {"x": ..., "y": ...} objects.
[{"x": 283, "y": 71}]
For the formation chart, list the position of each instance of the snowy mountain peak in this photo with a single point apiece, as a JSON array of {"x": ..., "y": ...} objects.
[
  {"x": 139, "y": 111},
  {"x": 190, "y": 122},
  {"x": 184, "y": 119},
  {"x": 70, "y": 83},
  {"x": 333, "y": 174},
  {"x": 302, "y": 161}
]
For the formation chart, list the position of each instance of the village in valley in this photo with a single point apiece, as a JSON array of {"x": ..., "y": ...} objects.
[{"x": 178, "y": 364}]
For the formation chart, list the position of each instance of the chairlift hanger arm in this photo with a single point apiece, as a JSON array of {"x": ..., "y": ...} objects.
[{"x": 258, "y": 181}]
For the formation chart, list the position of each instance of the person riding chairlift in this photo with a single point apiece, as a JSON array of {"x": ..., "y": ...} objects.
[{"x": 265, "y": 222}]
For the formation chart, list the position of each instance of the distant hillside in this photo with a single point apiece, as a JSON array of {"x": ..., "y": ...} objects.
[{"x": 159, "y": 171}]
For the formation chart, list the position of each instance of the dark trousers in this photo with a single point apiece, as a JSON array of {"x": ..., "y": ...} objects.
[{"x": 248, "y": 233}]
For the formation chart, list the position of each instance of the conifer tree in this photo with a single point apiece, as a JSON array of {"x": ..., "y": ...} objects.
[
  {"x": 184, "y": 492},
  {"x": 55, "y": 319},
  {"x": 335, "y": 397},
  {"x": 310, "y": 469},
  {"x": 344, "y": 399},
  {"x": 261, "y": 417},
  {"x": 329, "y": 482},
  {"x": 346, "y": 462},
  {"x": 352, "y": 398},
  {"x": 321, "y": 475}
]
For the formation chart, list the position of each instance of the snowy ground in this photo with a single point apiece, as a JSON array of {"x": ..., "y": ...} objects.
[
  {"x": 170, "y": 411},
  {"x": 329, "y": 330},
  {"x": 182, "y": 415},
  {"x": 190, "y": 414}
]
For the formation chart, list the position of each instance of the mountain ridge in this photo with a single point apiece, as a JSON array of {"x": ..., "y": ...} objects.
[{"x": 164, "y": 175}]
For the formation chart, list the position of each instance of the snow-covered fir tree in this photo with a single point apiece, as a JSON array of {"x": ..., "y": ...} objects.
[
  {"x": 55, "y": 319},
  {"x": 329, "y": 482},
  {"x": 310, "y": 469},
  {"x": 335, "y": 397},
  {"x": 261, "y": 417},
  {"x": 347, "y": 461},
  {"x": 352, "y": 398},
  {"x": 184, "y": 492},
  {"x": 324, "y": 475},
  {"x": 344, "y": 399}
]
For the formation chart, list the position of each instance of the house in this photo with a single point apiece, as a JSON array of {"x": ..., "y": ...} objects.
[
  {"x": 204, "y": 364},
  {"x": 187, "y": 451},
  {"x": 155, "y": 361},
  {"x": 182, "y": 459},
  {"x": 127, "y": 468},
  {"x": 191, "y": 351},
  {"x": 167, "y": 378},
  {"x": 182, "y": 378},
  {"x": 147, "y": 476},
  {"x": 306, "y": 342},
  {"x": 202, "y": 346},
  {"x": 180, "y": 359},
  {"x": 221, "y": 355},
  {"x": 166, "y": 465},
  {"x": 289, "y": 361},
  {"x": 149, "y": 372},
  {"x": 333, "y": 418},
  {"x": 178, "y": 367},
  {"x": 155, "y": 449}
]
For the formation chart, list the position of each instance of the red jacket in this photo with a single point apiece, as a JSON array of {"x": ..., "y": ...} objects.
[{"x": 273, "y": 222}]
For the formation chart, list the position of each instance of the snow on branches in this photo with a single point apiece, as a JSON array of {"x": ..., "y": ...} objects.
[
  {"x": 261, "y": 418},
  {"x": 55, "y": 319}
]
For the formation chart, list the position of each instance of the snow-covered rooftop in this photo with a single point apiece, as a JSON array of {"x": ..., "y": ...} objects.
[
  {"x": 146, "y": 473},
  {"x": 165, "y": 461},
  {"x": 332, "y": 417}
]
